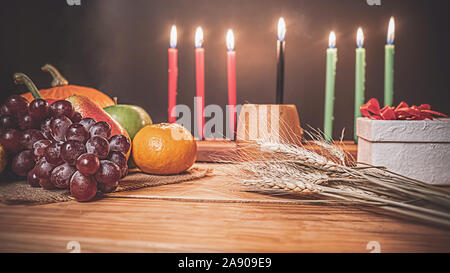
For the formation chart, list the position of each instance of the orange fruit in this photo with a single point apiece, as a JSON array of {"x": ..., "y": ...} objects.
[{"x": 164, "y": 149}]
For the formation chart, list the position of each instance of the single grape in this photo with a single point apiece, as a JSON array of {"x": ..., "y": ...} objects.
[
  {"x": 46, "y": 184},
  {"x": 16, "y": 104},
  {"x": 77, "y": 132},
  {"x": 32, "y": 179},
  {"x": 8, "y": 122},
  {"x": 23, "y": 162},
  {"x": 98, "y": 146},
  {"x": 38, "y": 109},
  {"x": 59, "y": 126},
  {"x": 121, "y": 160},
  {"x": 76, "y": 117},
  {"x": 107, "y": 188},
  {"x": 39, "y": 148},
  {"x": 26, "y": 121},
  {"x": 61, "y": 175},
  {"x": 29, "y": 137},
  {"x": 53, "y": 153},
  {"x": 87, "y": 123},
  {"x": 62, "y": 108},
  {"x": 83, "y": 187},
  {"x": 45, "y": 128},
  {"x": 100, "y": 128},
  {"x": 119, "y": 143},
  {"x": 4, "y": 110},
  {"x": 10, "y": 140},
  {"x": 108, "y": 173},
  {"x": 43, "y": 169},
  {"x": 88, "y": 164},
  {"x": 71, "y": 150}
]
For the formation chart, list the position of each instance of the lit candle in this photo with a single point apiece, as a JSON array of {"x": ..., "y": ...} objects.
[
  {"x": 360, "y": 76},
  {"x": 329, "y": 87},
  {"x": 389, "y": 65},
  {"x": 173, "y": 74},
  {"x": 231, "y": 67},
  {"x": 281, "y": 43},
  {"x": 200, "y": 80}
]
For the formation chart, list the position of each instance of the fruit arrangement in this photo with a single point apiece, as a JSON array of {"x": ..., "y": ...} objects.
[
  {"x": 67, "y": 141},
  {"x": 63, "y": 144}
]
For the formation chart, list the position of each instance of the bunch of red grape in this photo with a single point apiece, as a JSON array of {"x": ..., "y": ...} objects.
[{"x": 56, "y": 148}]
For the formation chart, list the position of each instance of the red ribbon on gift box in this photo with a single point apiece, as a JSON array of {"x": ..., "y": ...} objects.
[{"x": 403, "y": 111}]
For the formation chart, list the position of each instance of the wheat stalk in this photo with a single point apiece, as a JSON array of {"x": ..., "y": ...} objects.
[{"x": 263, "y": 164}]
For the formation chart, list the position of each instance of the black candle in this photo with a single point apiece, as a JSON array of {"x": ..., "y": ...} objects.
[{"x": 281, "y": 43}]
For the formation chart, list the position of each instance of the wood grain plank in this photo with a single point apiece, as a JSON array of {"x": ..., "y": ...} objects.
[
  {"x": 159, "y": 225},
  {"x": 143, "y": 225}
]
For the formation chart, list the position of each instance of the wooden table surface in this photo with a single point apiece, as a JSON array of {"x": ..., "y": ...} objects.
[{"x": 185, "y": 218}]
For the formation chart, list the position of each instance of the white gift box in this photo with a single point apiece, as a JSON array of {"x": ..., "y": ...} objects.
[{"x": 419, "y": 149}]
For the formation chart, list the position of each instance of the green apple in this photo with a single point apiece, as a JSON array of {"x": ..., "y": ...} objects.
[{"x": 131, "y": 117}]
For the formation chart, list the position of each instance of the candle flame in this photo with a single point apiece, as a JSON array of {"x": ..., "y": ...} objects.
[
  {"x": 173, "y": 37},
  {"x": 198, "y": 37},
  {"x": 332, "y": 40},
  {"x": 230, "y": 40},
  {"x": 360, "y": 38},
  {"x": 281, "y": 29},
  {"x": 391, "y": 31}
]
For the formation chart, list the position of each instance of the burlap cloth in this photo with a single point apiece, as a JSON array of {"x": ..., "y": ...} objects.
[{"x": 21, "y": 193}]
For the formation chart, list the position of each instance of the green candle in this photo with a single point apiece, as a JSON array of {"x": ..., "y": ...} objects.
[
  {"x": 389, "y": 65},
  {"x": 360, "y": 76},
  {"x": 329, "y": 88}
]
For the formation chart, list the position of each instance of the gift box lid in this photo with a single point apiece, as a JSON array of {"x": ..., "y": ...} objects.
[{"x": 437, "y": 130}]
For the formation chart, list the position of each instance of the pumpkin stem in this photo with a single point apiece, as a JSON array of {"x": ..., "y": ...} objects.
[
  {"x": 58, "y": 79},
  {"x": 20, "y": 78}
]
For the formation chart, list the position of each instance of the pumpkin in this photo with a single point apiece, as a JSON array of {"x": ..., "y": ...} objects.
[{"x": 61, "y": 89}]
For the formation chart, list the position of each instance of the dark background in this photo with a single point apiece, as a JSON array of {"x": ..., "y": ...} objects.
[{"x": 120, "y": 48}]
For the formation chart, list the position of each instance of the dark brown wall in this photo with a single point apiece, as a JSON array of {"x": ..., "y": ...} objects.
[{"x": 120, "y": 47}]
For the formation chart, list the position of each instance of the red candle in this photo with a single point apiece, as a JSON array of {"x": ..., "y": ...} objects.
[
  {"x": 200, "y": 81},
  {"x": 231, "y": 65},
  {"x": 173, "y": 74}
]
